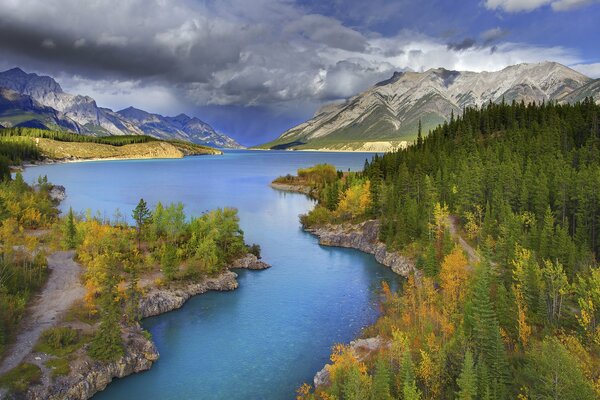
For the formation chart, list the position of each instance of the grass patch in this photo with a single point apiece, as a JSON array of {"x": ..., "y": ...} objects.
[
  {"x": 59, "y": 366},
  {"x": 18, "y": 379}
]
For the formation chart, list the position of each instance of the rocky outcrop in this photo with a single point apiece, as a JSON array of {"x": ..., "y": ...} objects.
[
  {"x": 362, "y": 349},
  {"x": 172, "y": 297},
  {"x": 364, "y": 237},
  {"x": 163, "y": 299},
  {"x": 58, "y": 193},
  {"x": 88, "y": 377},
  {"x": 249, "y": 261}
]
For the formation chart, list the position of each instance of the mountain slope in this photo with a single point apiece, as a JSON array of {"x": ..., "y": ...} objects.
[
  {"x": 81, "y": 114},
  {"x": 391, "y": 110},
  {"x": 21, "y": 110}
]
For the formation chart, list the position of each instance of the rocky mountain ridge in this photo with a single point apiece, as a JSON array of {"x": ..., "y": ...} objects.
[{"x": 42, "y": 96}]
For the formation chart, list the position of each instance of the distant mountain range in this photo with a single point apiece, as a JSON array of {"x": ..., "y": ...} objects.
[
  {"x": 387, "y": 115},
  {"x": 37, "y": 101}
]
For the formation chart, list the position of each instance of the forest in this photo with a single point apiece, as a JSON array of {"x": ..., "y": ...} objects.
[{"x": 521, "y": 183}]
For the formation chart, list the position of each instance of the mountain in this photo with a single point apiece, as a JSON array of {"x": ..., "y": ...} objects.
[
  {"x": 81, "y": 114},
  {"x": 389, "y": 112},
  {"x": 180, "y": 127}
]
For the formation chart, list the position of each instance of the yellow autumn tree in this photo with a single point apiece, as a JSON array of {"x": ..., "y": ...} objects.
[
  {"x": 454, "y": 275},
  {"x": 355, "y": 201}
]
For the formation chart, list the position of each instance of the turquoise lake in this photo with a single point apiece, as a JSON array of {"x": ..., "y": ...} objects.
[{"x": 275, "y": 332}]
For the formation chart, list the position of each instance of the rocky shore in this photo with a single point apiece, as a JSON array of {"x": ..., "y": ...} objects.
[
  {"x": 364, "y": 237},
  {"x": 161, "y": 300},
  {"x": 88, "y": 377},
  {"x": 288, "y": 187}
]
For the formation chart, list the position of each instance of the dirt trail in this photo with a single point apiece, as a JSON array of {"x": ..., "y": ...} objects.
[
  {"x": 454, "y": 231},
  {"x": 59, "y": 293}
]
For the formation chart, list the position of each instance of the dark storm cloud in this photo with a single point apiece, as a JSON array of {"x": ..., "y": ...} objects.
[
  {"x": 92, "y": 58},
  {"x": 467, "y": 43}
]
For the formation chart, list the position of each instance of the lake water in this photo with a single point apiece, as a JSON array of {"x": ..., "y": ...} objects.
[{"x": 275, "y": 332}]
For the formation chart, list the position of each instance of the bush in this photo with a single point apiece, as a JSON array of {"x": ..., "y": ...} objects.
[
  {"x": 59, "y": 341},
  {"x": 21, "y": 377},
  {"x": 318, "y": 216},
  {"x": 254, "y": 249}
]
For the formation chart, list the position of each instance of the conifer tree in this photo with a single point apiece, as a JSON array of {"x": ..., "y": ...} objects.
[
  {"x": 141, "y": 215},
  {"x": 467, "y": 381}
]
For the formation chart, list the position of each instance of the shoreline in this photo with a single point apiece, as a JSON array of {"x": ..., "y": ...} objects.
[
  {"x": 95, "y": 159},
  {"x": 364, "y": 237},
  {"x": 87, "y": 376},
  {"x": 288, "y": 187}
]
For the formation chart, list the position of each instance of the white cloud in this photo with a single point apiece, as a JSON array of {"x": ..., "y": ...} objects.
[
  {"x": 529, "y": 5},
  {"x": 591, "y": 70}
]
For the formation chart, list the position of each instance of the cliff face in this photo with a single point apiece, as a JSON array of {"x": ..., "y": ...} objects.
[{"x": 364, "y": 237}]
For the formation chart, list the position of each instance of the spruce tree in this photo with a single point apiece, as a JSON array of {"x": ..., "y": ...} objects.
[
  {"x": 70, "y": 230},
  {"x": 141, "y": 216},
  {"x": 467, "y": 381}
]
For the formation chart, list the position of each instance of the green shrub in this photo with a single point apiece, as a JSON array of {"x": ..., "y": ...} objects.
[
  {"x": 254, "y": 249},
  {"x": 18, "y": 379},
  {"x": 59, "y": 341},
  {"x": 318, "y": 216}
]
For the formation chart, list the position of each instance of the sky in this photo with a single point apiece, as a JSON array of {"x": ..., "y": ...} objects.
[{"x": 254, "y": 68}]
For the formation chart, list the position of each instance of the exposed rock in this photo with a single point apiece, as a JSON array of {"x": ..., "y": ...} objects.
[
  {"x": 249, "y": 261},
  {"x": 42, "y": 96},
  {"x": 364, "y": 237},
  {"x": 362, "y": 349},
  {"x": 88, "y": 376},
  {"x": 58, "y": 193}
]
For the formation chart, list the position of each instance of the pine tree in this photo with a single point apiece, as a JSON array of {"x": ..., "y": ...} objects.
[
  {"x": 141, "y": 215},
  {"x": 467, "y": 381},
  {"x": 70, "y": 230}
]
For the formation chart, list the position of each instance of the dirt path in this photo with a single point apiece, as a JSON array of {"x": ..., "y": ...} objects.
[
  {"x": 61, "y": 290},
  {"x": 454, "y": 231}
]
